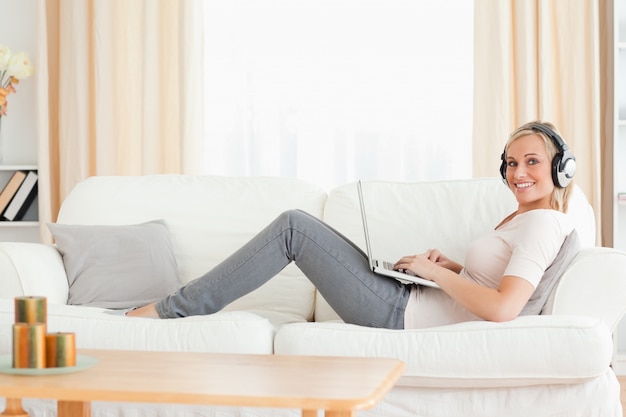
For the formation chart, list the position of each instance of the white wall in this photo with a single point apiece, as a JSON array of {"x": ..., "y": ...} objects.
[{"x": 18, "y": 32}]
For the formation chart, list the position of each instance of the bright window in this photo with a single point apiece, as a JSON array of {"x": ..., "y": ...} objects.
[{"x": 332, "y": 91}]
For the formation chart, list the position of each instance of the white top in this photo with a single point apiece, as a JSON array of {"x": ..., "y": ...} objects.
[{"x": 523, "y": 247}]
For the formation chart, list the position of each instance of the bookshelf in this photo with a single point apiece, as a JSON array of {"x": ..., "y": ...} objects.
[
  {"x": 27, "y": 229},
  {"x": 19, "y": 127}
]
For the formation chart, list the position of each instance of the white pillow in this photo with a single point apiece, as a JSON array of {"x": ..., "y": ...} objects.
[{"x": 117, "y": 266}]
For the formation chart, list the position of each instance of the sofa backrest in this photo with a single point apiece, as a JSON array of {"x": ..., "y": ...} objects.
[
  {"x": 409, "y": 218},
  {"x": 208, "y": 218}
]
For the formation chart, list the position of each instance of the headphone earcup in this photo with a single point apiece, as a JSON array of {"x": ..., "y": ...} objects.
[
  {"x": 563, "y": 169},
  {"x": 503, "y": 170}
]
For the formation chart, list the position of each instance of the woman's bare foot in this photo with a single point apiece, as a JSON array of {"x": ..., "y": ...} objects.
[{"x": 149, "y": 310}]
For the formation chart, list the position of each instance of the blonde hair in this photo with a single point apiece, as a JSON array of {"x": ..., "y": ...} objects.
[{"x": 560, "y": 196}]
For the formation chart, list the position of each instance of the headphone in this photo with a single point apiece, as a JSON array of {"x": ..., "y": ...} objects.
[{"x": 563, "y": 163}]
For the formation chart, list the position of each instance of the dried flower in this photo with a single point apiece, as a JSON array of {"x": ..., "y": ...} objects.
[{"x": 13, "y": 68}]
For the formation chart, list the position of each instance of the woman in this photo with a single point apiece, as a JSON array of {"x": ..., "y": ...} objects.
[{"x": 501, "y": 272}]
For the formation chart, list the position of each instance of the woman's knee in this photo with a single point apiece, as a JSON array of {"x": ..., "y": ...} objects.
[
  {"x": 297, "y": 219},
  {"x": 295, "y": 214}
]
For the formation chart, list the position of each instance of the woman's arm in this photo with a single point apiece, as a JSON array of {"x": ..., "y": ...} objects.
[{"x": 501, "y": 304}]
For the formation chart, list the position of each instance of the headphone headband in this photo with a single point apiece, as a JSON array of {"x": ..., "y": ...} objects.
[{"x": 557, "y": 139}]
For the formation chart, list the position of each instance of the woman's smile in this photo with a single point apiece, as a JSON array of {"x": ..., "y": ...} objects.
[{"x": 524, "y": 185}]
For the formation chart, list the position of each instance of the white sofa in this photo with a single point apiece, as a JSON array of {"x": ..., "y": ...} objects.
[{"x": 554, "y": 364}]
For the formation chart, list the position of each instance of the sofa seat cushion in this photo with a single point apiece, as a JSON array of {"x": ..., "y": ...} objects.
[
  {"x": 96, "y": 328},
  {"x": 527, "y": 351}
]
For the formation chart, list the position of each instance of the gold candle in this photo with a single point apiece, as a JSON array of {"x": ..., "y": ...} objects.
[
  {"x": 60, "y": 350},
  {"x": 29, "y": 345},
  {"x": 30, "y": 309}
]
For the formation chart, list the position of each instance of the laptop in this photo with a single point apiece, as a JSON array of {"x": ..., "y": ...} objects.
[{"x": 384, "y": 267}]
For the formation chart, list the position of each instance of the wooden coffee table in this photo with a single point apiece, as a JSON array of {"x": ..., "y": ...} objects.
[{"x": 338, "y": 385}]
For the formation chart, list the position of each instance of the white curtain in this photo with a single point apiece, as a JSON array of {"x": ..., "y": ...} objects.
[
  {"x": 119, "y": 92},
  {"x": 337, "y": 90},
  {"x": 542, "y": 60}
]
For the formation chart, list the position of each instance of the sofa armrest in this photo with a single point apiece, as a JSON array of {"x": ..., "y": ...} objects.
[
  {"x": 32, "y": 269},
  {"x": 593, "y": 285}
]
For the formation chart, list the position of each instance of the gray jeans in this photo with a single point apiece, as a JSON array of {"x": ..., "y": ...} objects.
[{"x": 335, "y": 266}]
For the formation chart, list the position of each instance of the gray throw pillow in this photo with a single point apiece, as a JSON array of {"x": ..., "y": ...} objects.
[
  {"x": 117, "y": 266},
  {"x": 552, "y": 275}
]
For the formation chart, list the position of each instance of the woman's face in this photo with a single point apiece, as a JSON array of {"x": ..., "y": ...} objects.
[{"x": 529, "y": 172}]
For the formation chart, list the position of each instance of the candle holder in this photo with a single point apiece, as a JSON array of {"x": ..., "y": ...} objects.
[{"x": 32, "y": 346}]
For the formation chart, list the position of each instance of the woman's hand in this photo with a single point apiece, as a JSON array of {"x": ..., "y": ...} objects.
[
  {"x": 416, "y": 264},
  {"x": 438, "y": 258},
  {"x": 420, "y": 264}
]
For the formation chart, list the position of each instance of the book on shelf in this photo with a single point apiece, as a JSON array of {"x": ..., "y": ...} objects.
[
  {"x": 22, "y": 199},
  {"x": 11, "y": 187}
]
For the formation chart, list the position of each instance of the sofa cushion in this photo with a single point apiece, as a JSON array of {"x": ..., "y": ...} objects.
[
  {"x": 209, "y": 217},
  {"x": 552, "y": 275},
  {"x": 95, "y": 328},
  {"x": 408, "y": 218},
  {"x": 526, "y": 351},
  {"x": 117, "y": 266}
]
